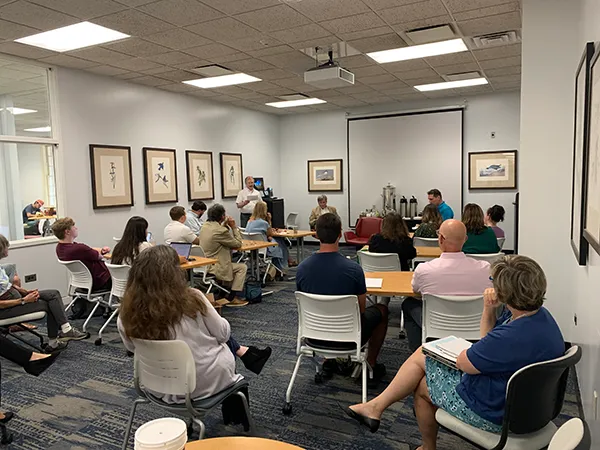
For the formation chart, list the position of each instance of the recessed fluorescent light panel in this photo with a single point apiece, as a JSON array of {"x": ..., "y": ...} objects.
[
  {"x": 38, "y": 130},
  {"x": 17, "y": 111},
  {"x": 225, "y": 80},
  {"x": 451, "y": 84},
  {"x": 419, "y": 51},
  {"x": 293, "y": 103},
  {"x": 72, "y": 37}
]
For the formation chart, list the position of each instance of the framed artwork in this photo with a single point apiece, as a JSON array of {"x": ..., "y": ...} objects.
[
  {"x": 493, "y": 170},
  {"x": 591, "y": 171},
  {"x": 199, "y": 175},
  {"x": 232, "y": 178},
  {"x": 580, "y": 153},
  {"x": 112, "y": 184},
  {"x": 325, "y": 175},
  {"x": 160, "y": 175}
]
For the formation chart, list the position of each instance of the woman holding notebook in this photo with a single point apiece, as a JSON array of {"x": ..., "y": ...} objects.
[{"x": 525, "y": 333}]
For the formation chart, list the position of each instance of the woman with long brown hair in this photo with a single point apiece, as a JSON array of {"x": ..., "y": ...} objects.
[
  {"x": 159, "y": 305},
  {"x": 431, "y": 221},
  {"x": 394, "y": 238},
  {"x": 480, "y": 238}
]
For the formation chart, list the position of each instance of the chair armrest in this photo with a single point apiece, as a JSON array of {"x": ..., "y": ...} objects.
[{"x": 350, "y": 235}]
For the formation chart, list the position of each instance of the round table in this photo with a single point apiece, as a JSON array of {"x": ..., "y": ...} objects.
[{"x": 239, "y": 443}]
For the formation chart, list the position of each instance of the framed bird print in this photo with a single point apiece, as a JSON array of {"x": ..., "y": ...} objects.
[
  {"x": 232, "y": 178},
  {"x": 199, "y": 175},
  {"x": 160, "y": 175},
  {"x": 112, "y": 184}
]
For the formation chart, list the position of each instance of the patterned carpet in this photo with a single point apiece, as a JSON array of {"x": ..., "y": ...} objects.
[{"x": 83, "y": 400}]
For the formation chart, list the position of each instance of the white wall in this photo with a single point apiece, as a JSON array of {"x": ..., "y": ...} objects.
[
  {"x": 31, "y": 173},
  {"x": 323, "y": 136},
  {"x": 547, "y": 98}
]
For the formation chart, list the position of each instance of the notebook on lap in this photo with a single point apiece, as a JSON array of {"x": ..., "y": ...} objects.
[{"x": 446, "y": 350}]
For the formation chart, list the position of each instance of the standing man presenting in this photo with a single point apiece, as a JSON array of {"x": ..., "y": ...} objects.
[
  {"x": 435, "y": 198},
  {"x": 246, "y": 201}
]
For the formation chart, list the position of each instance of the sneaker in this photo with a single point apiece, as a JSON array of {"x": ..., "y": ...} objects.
[
  {"x": 254, "y": 359},
  {"x": 73, "y": 335},
  {"x": 236, "y": 302},
  {"x": 58, "y": 347}
]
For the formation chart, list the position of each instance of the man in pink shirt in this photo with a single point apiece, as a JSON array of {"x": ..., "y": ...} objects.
[{"x": 453, "y": 273}]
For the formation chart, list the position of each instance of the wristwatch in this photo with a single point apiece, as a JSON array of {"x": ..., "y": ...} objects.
[{"x": 22, "y": 301}]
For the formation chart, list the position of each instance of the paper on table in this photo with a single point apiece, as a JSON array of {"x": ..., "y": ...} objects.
[{"x": 374, "y": 283}]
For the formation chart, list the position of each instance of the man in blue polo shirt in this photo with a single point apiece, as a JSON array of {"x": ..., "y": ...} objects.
[
  {"x": 328, "y": 272},
  {"x": 435, "y": 198}
]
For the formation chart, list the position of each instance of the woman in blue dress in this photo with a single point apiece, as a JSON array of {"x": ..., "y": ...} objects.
[{"x": 260, "y": 222}]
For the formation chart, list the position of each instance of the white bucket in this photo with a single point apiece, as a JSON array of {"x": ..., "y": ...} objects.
[{"x": 167, "y": 433}]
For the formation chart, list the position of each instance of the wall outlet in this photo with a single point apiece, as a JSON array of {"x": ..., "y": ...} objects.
[
  {"x": 493, "y": 134},
  {"x": 575, "y": 319},
  {"x": 30, "y": 278}
]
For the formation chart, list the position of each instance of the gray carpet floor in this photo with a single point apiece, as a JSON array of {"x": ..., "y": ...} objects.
[{"x": 83, "y": 400}]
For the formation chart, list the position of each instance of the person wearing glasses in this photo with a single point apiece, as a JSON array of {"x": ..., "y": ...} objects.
[{"x": 453, "y": 273}]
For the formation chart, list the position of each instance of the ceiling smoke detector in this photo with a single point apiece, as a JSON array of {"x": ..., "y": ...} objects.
[{"x": 494, "y": 39}]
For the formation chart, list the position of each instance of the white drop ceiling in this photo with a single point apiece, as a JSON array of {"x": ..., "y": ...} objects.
[{"x": 264, "y": 38}]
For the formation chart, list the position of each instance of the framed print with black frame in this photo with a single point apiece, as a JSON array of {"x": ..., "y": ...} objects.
[
  {"x": 160, "y": 175},
  {"x": 112, "y": 182},
  {"x": 580, "y": 150},
  {"x": 200, "y": 175},
  {"x": 325, "y": 175},
  {"x": 232, "y": 178},
  {"x": 591, "y": 172}
]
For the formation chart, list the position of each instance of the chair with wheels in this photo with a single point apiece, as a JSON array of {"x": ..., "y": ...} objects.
[
  {"x": 207, "y": 279},
  {"x": 534, "y": 397},
  {"x": 80, "y": 286},
  {"x": 365, "y": 228},
  {"x": 574, "y": 434},
  {"x": 328, "y": 326},
  {"x": 168, "y": 368},
  {"x": 452, "y": 315},
  {"x": 489, "y": 257},
  {"x": 263, "y": 260},
  {"x": 119, "y": 274},
  {"x": 5, "y": 325}
]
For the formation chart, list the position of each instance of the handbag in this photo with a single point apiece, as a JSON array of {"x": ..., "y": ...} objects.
[{"x": 253, "y": 290}]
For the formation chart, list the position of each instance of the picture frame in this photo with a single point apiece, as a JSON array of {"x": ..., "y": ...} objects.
[
  {"x": 325, "y": 175},
  {"x": 581, "y": 128},
  {"x": 160, "y": 175},
  {"x": 591, "y": 171},
  {"x": 112, "y": 181},
  {"x": 200, "y": 175},
  {"x": 493, "y": 170},
  {"x": 232, "y": 174}
]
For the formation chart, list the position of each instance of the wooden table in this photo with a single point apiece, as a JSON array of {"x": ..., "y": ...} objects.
[
  {"x": 239, "y": 443},
  {"x": 394, "y": 284},
  {"x": 42, "y": 218},
  {"x": 253, "y": 247},
  {"x": 299, "y": 235}
]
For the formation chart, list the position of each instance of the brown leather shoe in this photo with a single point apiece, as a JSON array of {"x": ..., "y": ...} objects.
[{"x": 236, "y": 303}]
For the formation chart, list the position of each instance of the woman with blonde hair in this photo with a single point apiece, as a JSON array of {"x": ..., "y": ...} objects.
[
  {"x": 480, "y": 238},
  {"x": 260, "y": 222},
  {"x": 159, "y": 305},
  {"x": 430, "y": 222}
]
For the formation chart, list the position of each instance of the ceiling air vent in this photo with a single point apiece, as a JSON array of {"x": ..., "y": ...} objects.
[
  {"x": 461, "y": 76},
  {"x": 502, "y": 38}
]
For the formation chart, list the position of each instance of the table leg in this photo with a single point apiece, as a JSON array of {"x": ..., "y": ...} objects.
[
  {"x": 301, "y": 249},
  {"x": 298, "y": 253}
]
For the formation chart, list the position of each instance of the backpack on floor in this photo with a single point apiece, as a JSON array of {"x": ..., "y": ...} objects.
[
  {"x": 253, "y": 290},
  {"x": 81, "y": 309}
]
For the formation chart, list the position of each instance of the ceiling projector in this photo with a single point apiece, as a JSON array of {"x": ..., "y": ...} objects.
[{"x": 329, "y": 75}]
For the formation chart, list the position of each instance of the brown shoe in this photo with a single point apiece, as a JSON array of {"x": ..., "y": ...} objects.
[
  {"x": 237, "y": 302},
  {"x": 222, "y": 302}
]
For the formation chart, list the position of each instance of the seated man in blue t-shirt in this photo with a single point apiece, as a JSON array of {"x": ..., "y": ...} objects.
[
  {"x": 435, "y": 198},
  {"x": 327, "y": 272}
]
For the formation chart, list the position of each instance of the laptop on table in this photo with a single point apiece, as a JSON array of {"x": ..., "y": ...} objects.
[{"x": 183, "y": 249}]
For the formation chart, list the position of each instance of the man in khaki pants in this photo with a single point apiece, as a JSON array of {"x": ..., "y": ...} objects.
[{"x": 218, "y": 236}]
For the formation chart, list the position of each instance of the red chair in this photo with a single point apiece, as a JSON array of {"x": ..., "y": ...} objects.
[{"x": 365, "y": 228}]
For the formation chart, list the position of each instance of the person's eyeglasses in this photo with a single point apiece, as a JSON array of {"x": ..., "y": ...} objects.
[
  {"x": 491, "y": 278},
  {"x": 439, "y": 234}
]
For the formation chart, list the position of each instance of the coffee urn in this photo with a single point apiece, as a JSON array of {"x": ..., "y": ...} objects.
[{"x": 413, "y": 209}]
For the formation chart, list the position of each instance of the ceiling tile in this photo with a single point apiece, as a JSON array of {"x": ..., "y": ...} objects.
[
  {"x": 293, "y": 61},
  {"x": 9, "y": 30},
  {"x": 351, "y": 62},
  {"x": 273, "y": 74},
  {"x": 267, "y": 87},
  {"x": 253, "y": 43},
  {"x": 319, "y": 10},
  {"x": 302, "y": 33},
  {"x": 353, "y": 23},
  {"x": 270, "y": 50},
  {"x": 503, "y": 51},
  {"x": 377, "y": 43},
  {"x": 392, "y": 86},
  {"x": 181, "y": 12},
  {"x": 466, "y": 5},
  {"x": 127, "y": 75},
  {"x": 370, "y": 81},
  {"x": 425, "y": 80},
  {"x": 491, "y": 11},
  {"x": 230, "y": 90},
  {"x": 172, "y": 58},
  {"x": 177, "y": 87},
  {"x": 510, "y": 70},
  {"x": 192, "y": 64},
  {"x": 275, "y": 18},
  {"x": 451, "y": 59},
  {"x": 35, "y": 16},
  {"x": 506, "y": 79},
  {"x": 24, "y": 51},
  {"x": 458, "y": 68},
  {"x": 137, "y": 47},
  {"x": 134, "y": 3},
  {"x": 136, "y": 64},
  {"x": 414, "y": 11},
  {"x": 133, "y": 22},
  {"x": 357, "y": 88},
  {"x": 84, "y": 10},
  {"x": 506, "y": 86},
  {"x": 503, "y": 62},
  {"x": 417, "y": 74},
  {"x": 491, "y": 24},
  {"x": 291, "y": 83},
  {"x": 414, "y": 95},
  {"x": 225, "y": 29},
  {"x": 406, "y": 66},
  {"x": 106, "y": 70},
  {"x": 99, "y": 54},
  {"x": 228, "y": 58},
  {"x": 203, "y": 93},
  {"x": 210, "y": 50},
  {"x": 178, "y": 39},
  {"x": 377, "y": 31},
  {"x": 322, "y": 42},
  {"x": 376, "y": 100},
  {"x": 240, "y": 6},
  {"x": 326, "y": 94},
  {"x": 150, "y": 81},
  {"x": 248, "y": 65},
  {"x": 369, "y": 71},
  {"x": 442, "y": 19},
  {"x": 378, "y": 5},
  {"x": 251, "y": 95},
  {"x": 397, "y": 92},
  {"x": 347, "y": 101},
  {"x": 157, "y": 70},
  {"x": 68, "y": 61}
]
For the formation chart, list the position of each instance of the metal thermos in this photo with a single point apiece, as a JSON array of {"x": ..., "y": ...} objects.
[
  {"x": 403, "y": 207},
  {"x": 413, "y": 207}
]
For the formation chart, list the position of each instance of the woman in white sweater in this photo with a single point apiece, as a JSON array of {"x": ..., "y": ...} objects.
[{"x": 158, "y": 305}]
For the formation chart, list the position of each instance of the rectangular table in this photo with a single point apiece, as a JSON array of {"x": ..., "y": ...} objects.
[
  {"x": 253, "y": 247},
  {"x": 397, "y": 284},
  {"x": 299, "y": 235},
  {"x": 422, "y": 252}
]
